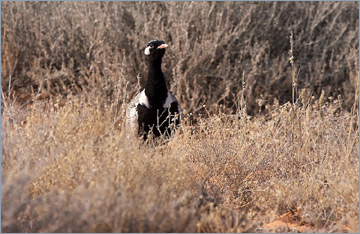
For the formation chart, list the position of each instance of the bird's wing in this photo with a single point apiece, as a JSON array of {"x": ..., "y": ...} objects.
[
  {"x": 132, "y": 124},
  {"x": 171, "y": 99}
]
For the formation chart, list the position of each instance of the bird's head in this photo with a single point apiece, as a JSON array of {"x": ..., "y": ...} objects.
[{"x": 155, "y": 49}]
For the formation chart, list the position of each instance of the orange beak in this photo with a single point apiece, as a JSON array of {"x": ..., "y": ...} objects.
[{"x": 163, "y": 46}]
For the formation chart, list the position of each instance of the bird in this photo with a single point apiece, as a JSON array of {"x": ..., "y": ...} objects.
[{"x": 154, "y": 111}]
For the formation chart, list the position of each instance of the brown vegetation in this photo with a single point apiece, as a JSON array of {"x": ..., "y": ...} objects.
[
  {"x": 72, "y": 47},
  {"x": 69, "y": 68}
]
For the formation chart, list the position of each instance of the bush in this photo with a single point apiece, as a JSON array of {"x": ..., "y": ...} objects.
[
  {"x": 68, "y": 47},
  {"x": 70, "y": 68}
]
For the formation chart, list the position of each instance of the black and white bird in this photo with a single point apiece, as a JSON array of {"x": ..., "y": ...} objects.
[{"x": 154, "y": 109}]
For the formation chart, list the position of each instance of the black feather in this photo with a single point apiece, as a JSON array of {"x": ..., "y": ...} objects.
[{"x": 153, "y": 116}]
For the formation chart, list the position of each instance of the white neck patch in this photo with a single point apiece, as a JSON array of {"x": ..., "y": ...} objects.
[
  {"x": 147, "y": 50},
  {"x": 143, "y": 100}
]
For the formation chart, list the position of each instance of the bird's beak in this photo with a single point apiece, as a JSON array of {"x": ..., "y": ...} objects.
[{"x": 162, "y": 46}]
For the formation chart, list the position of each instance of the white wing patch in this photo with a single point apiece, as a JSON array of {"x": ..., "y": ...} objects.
[
  {"x": 169, "y": 99},
  {"x": 132, "y": 121},
  {"x": 132, "y": 115},
  {"x": 143, "y": 100}
]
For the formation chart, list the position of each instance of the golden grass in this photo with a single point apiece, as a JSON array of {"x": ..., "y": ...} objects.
[
  {"x": 69, "y": 170},
  {"x": 294, "y": 167}
]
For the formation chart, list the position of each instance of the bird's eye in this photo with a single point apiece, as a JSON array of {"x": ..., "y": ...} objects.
[{"x": 151, "y": 46}]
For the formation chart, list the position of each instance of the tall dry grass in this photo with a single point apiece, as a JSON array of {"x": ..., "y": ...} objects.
[
  {"x": 69, "y": 170},
  {"x": 72, "y": 47},
  {"x": 65, "y": 168}
]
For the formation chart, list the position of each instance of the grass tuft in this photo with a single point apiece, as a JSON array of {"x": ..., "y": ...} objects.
[{"x": 69, "y": 68}]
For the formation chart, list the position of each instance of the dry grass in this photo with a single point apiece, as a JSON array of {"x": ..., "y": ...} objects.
[
  {"x": 72, "y": 47},
  {"x": 65, "y": 168},
  {"x": 69, "y": 170}
]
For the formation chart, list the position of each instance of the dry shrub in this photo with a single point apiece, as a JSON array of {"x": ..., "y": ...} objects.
[
  {"x": 69, "y": 170},
  {"x": 65, "y": 168},
  {"x": 70, "y": 47}
]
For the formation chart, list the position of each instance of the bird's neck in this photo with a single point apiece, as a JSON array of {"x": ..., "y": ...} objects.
[{"x": 155, "y": 88}]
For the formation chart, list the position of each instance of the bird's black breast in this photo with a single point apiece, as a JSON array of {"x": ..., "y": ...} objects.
[{"x": 158, "y": 120}]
